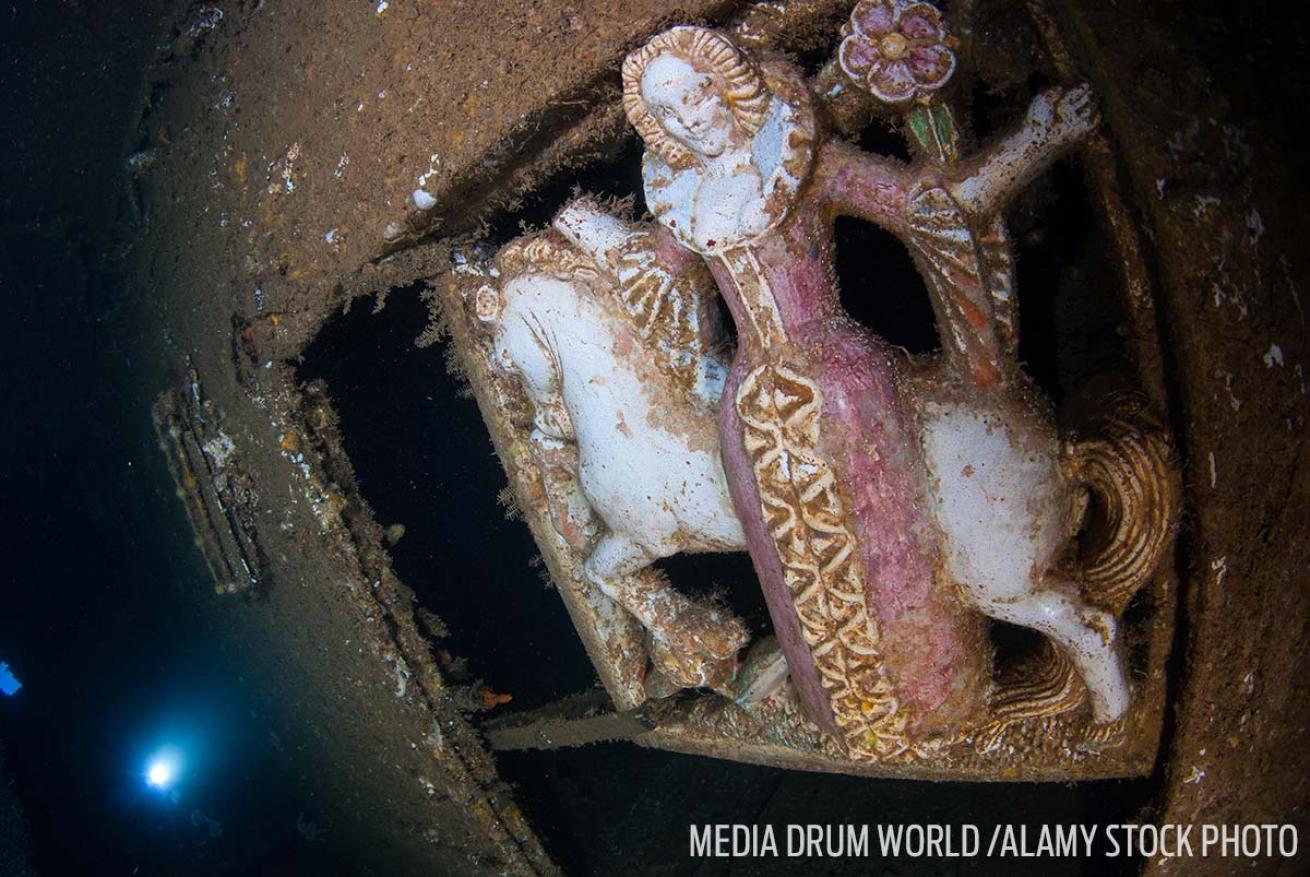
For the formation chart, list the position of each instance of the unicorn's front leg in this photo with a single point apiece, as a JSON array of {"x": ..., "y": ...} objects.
[
  {"x": 570, "y": 512},
  {"x": 610, "y": 568},
  {"x": 695, "y": 643}
]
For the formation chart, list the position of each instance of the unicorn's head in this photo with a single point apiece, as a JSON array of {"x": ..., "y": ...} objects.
[{"x": 540, "y": 279}]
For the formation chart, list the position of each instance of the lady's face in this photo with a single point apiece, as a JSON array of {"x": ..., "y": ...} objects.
[{"x": 688, "y": 105}]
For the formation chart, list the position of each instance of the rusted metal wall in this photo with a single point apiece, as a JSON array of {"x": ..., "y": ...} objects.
[{"x": 1211, "y": 165}]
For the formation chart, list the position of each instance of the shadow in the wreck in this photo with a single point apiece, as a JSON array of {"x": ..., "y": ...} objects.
[{"x": 423, "y": 458}]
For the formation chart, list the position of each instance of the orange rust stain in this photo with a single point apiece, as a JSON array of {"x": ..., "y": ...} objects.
[
  {"x": 564, "y": 524},
  {"x": 491, "y": 700},
  {"x": 974, "y": 314},
  {"x": 239, "y": 170},
  {"x": 985, "y": 376}
]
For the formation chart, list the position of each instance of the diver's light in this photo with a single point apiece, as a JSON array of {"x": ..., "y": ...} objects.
[
  {"x": 159, "y": 774},
  {"x": 163, "y": 769},
  {"x": 9, "y": 683}
]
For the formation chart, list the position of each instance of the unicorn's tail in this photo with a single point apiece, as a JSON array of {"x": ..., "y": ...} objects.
[{"x": 1135, "y": 486}]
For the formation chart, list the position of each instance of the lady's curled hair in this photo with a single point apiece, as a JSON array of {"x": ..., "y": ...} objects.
[{"x": 707, "y": 51}]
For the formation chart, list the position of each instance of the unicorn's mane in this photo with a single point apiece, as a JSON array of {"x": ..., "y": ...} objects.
[
  {"x": 674, "y": 315},
  {"x": 544, "y": 253}
]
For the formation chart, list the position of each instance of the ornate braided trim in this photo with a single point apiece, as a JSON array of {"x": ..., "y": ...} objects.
[
  {"x": 806, "y": 519},
  {"x": 668, "y": 310},
  {"x": 997, "y": 256},
  {"x": 1047, "y": 686},
  {"x": 970, "y": 276},
  {"x": 765, "y": 320}
]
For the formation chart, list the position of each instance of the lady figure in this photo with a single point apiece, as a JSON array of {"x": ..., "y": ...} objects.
[{"x": 819, "y": 435}]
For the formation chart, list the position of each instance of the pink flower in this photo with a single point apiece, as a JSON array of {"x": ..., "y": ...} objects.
[{"x": 899, "y": 49}]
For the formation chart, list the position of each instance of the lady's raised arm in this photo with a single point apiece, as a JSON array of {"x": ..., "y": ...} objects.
[
  {"x": 869, "y": 187},
  {"x": 1057, "y": 119}
]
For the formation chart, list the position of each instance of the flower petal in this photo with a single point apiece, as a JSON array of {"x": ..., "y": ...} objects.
[
  {"x": 922, "y": 22},
  {"x": 873, "y": 17},
  {"x": 931, "y": 65},
  {"x": 891, "y": 81},
  {"x": 857, "y": 55}
]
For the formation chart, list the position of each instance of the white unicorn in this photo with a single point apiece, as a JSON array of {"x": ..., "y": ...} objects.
[{"x": 617, "y": 358}]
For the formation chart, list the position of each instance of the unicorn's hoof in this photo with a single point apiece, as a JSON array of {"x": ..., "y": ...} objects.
[{"x": 1110, "y": 704}]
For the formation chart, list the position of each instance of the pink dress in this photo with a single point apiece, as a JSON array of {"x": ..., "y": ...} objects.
[{"x": 822, "y": 452}]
